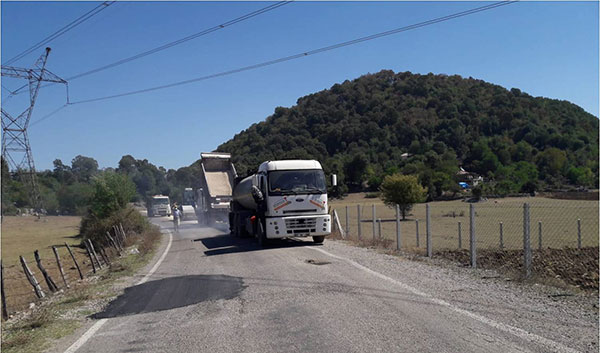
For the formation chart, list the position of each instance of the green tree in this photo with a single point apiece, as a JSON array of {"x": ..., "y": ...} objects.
[
  {"x": 111, "y": 193},
  {"x": 84, "y": 168},
  {"x": 402, "y": 190}
]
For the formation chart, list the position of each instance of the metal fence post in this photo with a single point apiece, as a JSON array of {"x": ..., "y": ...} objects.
[
  {"x": 526, "y": 242},
  {"x": 359, "y": 220},
  {"x": 539, "y": 235},
  {"x": 374, "y": 219},
  {"x": 501, "y": 235},
  {"x": 398, "y": 231},
  {"x": 428, "y": 230},
  {"x": 578, "y": 233},
  {"x": 347, "y": 221},
  {"x": 417, "y": 228},
  {"x": 459, "y": 235},
  {"x": 379, "y": 227},
  {"x": 472, "y": 247}
]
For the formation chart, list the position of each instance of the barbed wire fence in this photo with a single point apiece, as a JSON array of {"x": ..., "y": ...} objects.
[{"x": 530, "y": 237}]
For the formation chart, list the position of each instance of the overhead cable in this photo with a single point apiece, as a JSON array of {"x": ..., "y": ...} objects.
[
  {"x": 61, "y": 31},
  {"x": 306, "y": 53},
  {"x": 173, "y": 43}
]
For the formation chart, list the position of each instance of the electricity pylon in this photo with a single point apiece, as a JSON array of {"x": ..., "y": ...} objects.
[{"x": 16, "y": 150}]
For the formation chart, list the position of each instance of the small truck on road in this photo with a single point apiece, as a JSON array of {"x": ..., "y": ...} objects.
[{"x": 284, "y": 199}]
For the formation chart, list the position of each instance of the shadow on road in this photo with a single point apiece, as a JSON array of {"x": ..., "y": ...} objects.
[
  {"x": 227, "y": 244},
  {"x": 173, "y": 292}
]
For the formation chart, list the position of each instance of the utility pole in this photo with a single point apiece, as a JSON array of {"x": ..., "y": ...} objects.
[{"x": 16, "y": 150}]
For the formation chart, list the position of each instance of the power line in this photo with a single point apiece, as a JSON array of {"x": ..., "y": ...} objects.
[
  {"x": 61, "y": 31},
  {"x": 183, "y": 40},
  {"x": 173, "y": 43},
  {"x": 9, "y": 91},
  {"x": 49, "y": 115},
  {"x": 307, "y": 53}
]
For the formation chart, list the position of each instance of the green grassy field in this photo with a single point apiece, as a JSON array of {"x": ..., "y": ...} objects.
[{"x": 558, "y": 217}]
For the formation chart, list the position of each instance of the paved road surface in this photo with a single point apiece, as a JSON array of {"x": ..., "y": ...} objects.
[{"x": 214, "y": 293}]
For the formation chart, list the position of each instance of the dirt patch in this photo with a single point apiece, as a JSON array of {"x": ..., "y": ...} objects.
[{"x": 573, "y": 267}]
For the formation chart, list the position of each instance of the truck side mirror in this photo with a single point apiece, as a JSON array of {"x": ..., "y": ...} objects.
[
  {"x": 257, "y": 195},
  {"x": 333, "y": 179}
]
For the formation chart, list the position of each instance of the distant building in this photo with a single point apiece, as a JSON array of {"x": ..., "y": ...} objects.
[{"x": 472, "y": 179}]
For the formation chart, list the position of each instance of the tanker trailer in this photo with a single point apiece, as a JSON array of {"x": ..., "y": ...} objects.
[{"x": 284, "y": 199}]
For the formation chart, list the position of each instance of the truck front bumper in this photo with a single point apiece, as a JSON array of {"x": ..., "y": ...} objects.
[{"x": 298, "y": 226}]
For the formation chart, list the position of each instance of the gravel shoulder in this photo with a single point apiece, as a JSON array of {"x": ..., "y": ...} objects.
[{"x": 550, "y": 312}]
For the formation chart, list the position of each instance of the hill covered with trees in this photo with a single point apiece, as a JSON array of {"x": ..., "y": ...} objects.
[{"x": 360, "y": 130}]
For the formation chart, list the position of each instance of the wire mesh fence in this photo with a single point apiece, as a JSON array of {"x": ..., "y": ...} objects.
[{"x": 562, "y": 234}]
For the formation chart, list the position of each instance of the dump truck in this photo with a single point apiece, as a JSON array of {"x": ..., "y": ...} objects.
[
  {"x": 159, "y": 205},
  {"x": 214, "y": 196},
  {"x": 188, "y": 204},
  {"x": 285, "y": 199}
]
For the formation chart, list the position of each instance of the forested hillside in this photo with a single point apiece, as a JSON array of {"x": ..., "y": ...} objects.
[{"x": 359, "y": 129}]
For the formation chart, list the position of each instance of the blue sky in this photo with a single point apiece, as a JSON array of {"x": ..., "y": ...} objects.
[{"x": 547, "y": 49}]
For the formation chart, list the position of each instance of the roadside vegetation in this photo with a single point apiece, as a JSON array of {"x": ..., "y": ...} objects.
[{"x": 60, "y": 313}]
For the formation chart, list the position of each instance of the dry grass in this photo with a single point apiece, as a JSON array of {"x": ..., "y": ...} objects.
[
  {"x": 558, "y": 261},
  {"x": 558, "y": 217},
  {"x": 59, "y": 315},
  {"x": 23, "y": 235}
]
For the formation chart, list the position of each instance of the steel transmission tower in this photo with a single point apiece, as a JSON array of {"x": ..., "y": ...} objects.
[{"x": 16, "y": 150}]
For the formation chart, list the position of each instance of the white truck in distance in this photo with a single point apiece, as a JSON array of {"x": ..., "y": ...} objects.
[
  {"x": 284, "y": 199},
  {"x": 159, "y": 206}
]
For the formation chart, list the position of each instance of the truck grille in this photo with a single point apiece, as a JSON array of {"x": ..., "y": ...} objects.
[{"x": 300, "y": 225}]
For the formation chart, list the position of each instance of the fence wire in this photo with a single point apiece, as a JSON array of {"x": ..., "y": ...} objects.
[{"x": 562, "y": 233}]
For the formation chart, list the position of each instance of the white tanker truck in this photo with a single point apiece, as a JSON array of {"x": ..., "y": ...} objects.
[{"x": 284, "y": 199}]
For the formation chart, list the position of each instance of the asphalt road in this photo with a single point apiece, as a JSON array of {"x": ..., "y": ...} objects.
[{"x": 215, "y": 293}]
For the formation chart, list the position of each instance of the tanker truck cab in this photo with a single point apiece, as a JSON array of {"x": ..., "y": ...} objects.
[{"x": 294, "y": 197}]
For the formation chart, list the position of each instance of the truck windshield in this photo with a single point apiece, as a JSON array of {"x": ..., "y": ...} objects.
[
  {"x": 161, "y": 201},
  {"x": 283, "y": 182}
]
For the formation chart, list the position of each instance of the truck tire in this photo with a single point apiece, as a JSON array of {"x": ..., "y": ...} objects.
[
  {"x": 319, "y": 239},
  {"x": 261, "y": 236}
]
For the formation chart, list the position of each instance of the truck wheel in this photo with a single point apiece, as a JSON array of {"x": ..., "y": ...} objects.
[
  {"x": 319, "y": 239},
  {"x": 261, "y": 235}
]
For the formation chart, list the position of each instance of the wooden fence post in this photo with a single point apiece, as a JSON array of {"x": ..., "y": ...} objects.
[
  {"x": 114, "y": 243},
  {"x": 60, "y": 268},
  {"x": 4, "y": 309},
  {"x": 119, "y": 237},
  {"x": 74, "y": 260},
  {"x": 123, "y": 231},
  {"x": 51, "y": 285},
  {"x": 94, "y": 253},
  {"x": 104, "y": 256},
  {"x": 89, "y": 252},
  {"x": 31, "y": 278}
]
